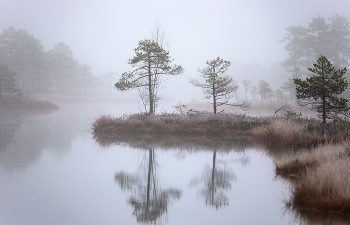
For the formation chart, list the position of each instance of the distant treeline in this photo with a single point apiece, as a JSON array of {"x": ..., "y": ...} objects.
[
  {"x": 330, "y": 38},
  {"x": 55, "y": 71}
]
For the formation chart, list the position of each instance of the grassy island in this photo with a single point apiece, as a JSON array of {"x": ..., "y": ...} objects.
[{"x": 302, "y": 132}]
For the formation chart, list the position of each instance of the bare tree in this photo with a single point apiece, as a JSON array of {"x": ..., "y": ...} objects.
[{"x": 216, "y": 85}]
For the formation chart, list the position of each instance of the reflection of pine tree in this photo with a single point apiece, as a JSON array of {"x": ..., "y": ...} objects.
[
  {"x": 150, "y": 202},
  {"x": 216, "y": 179}
]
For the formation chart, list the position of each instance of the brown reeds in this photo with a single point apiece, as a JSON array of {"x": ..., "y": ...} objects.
[
  {"x": 297, "y": 164},
  {"x": 302, "y": 132},
  {"x": 326, "y": 188},
  {"x": 321, "y": 178},
  {"x": 277, "y": 130},
  {"x": 287, "y": 131},
  {"x": 223, "y": 125}
]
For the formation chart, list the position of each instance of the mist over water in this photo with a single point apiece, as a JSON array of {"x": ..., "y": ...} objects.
[{"x": 53, "y": 172}]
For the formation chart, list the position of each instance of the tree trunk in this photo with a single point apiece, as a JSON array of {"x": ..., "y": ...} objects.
[
  {"x": 150, "y": 90},
  {"x": 214, "y": 92},
  {"x": 324, "y": 109},
  {"x": 323, "y": 97}
]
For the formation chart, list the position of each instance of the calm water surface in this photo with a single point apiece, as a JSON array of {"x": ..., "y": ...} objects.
[{"x": 53, "y": 172}]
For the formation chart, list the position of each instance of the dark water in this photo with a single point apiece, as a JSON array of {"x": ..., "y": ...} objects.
[{"x": 53, "y": 172}]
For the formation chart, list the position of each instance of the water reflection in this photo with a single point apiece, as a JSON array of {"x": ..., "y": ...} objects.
[
  {"x": 149, "y": 201},
  {"x": 305, "y": 216},
  {"x": 9, "y": 123},
  {"x": 215, "y": 181},
  {"x": 175, "y": 142},
  {"x": 25, "y": 135}
]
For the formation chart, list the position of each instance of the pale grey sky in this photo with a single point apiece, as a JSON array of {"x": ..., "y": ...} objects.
[{"x": 103, "y": 33}]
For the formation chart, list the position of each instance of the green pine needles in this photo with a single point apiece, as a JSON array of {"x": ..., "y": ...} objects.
[
  {"x": 322, "y": 91},
  {"x": 151, "y": 62}
]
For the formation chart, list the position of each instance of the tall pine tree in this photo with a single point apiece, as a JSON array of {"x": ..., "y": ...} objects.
[{"x": 322, "y": 90}]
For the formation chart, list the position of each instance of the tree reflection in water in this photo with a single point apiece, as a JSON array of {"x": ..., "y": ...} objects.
[
  {"x": 150, "y": 202},
  {"x": 9, "y": 124},
  {"x": 216, "y": 179}
]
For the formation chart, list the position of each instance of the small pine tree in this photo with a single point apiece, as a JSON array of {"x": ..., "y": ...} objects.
[{"x": 322, "y": 90}]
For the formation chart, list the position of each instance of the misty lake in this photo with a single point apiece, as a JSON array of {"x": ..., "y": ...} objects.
[{"x": 53, "y": 172}]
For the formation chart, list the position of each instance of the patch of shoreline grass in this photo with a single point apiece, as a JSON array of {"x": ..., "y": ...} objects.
[
  {"x": 321, "y": 178},
  {"x": 297, "y": 164},
  {"x": 223, "y": 125},
  {"x": 325, "y": 188},
  {"x": 29, "y": 104}
]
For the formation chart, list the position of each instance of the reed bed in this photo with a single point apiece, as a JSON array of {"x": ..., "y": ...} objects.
[
  {"x": 303, "y": 132},
  {"x": 320, "y": 178},
  {"x": 326, "y": 188},
  {"x": 297, "y": 164}
]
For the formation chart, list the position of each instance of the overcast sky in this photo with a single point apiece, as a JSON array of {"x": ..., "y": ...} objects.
[{"x": 103, "y": 33}]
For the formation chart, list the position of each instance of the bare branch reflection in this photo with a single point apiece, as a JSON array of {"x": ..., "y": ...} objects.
[{"x": 149, "y": 201}]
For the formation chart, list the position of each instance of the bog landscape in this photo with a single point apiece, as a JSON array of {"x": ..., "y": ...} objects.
[{"x": 158, "y": 141}]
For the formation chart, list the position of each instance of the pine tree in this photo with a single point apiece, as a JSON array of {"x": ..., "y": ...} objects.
[
  {"x": 322, "y": 90},
  {"x": 151, "y": 61},
  {"x": 217, "y": 86}
]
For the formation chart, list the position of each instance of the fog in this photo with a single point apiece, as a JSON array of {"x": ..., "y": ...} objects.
[{"x": 104, "y": 33}]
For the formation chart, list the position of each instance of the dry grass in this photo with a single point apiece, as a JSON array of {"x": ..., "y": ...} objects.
[
  {"x": 297, "y": 164},
  {"x": 325, "y": 188},
  {"x": 223, "y": 125},
  {"x": 276, "y": 130},
  {"x": 321, "y": 178},
  {"x": 303, "y": 132},
  {"x": 290, "y": 132}
]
